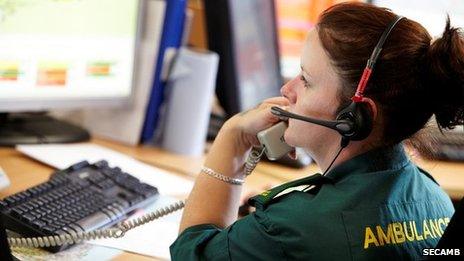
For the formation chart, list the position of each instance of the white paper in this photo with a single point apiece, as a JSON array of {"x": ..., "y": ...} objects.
[
  {"x": 151, "y": 239},
  {"x": 81, "y": 252},
  {"x": 4, "y": 180},
  {"x": 62, "y": 156}
]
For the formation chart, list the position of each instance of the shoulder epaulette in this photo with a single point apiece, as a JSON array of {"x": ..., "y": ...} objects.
[{"x": 265, "y": 198}]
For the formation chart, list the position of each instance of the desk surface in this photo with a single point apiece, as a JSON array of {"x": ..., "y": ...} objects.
[{"x": 25, "y": 172}]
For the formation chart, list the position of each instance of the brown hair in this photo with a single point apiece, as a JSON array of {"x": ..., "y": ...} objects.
[{"x": 412, "y": 79}]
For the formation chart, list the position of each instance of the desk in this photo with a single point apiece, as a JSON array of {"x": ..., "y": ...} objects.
[{"x": 25, "y": 172}]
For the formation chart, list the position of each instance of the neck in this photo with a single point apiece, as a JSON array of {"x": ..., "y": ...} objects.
[{"x": 353, "y": 149}]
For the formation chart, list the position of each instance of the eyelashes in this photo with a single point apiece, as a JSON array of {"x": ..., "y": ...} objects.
[{"x": 305, "y": 82}]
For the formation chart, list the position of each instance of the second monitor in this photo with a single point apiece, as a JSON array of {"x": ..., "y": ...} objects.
[{"x": 244, "y": 34}]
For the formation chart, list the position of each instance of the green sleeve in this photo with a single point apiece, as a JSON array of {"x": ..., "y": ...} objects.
[{"x": 250, "y": 238}]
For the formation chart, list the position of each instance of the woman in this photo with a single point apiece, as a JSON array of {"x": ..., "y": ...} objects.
[{"x": 372, "y": 201}]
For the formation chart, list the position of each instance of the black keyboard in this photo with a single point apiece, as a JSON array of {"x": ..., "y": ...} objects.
[{"x": 80, "y": 198}]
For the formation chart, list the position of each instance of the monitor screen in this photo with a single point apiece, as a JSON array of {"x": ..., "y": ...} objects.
[
  {"x": 63, "y": 52},
  {"x": 244, "y": 35},
  {"x": 258, "y": 73}
]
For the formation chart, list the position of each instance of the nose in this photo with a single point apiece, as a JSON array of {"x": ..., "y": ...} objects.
[{"x": 288, "y": 90}]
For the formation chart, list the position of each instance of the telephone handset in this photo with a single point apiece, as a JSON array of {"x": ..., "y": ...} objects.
[
  {"x": 272, "y": 140},
  {"x": 273, "y": 146}
]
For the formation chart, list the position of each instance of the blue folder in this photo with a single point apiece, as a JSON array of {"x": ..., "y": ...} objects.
[{"x": 173, "y": 29}]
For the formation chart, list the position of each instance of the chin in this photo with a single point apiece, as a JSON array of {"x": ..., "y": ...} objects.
[{"x": 290, "y": 138}]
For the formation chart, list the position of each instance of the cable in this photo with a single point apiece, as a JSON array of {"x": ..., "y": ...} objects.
[
  {"x": 253, "y": 158},
  {"x": 336, "y": 156},
  {"x": 73, "y": 237}
]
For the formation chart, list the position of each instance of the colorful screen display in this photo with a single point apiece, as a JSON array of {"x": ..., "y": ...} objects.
[{"x": 67, "y": 49}]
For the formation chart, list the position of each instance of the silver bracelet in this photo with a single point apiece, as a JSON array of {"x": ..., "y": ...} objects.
[{"x": 221, "y": 177}]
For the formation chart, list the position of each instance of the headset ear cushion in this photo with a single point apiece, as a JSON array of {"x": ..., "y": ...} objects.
[{"x": 360, "y": 115}]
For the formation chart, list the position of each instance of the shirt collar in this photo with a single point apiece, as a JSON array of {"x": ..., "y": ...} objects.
[{"x": 384, "y": 158}]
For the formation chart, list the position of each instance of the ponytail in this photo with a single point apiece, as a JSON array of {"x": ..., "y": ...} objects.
[{"x": 444, "y": 77}]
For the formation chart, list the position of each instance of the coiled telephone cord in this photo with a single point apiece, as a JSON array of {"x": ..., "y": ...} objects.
[
  {"x": 117, "y": 232},
  {"x": 121, "y": 229},
  {"x": 253, "y": 158}
]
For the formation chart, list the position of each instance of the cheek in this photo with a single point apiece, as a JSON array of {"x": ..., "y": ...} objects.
[
  {"x": 297, "y": 133},
  {"x": 316, "y": 106}
]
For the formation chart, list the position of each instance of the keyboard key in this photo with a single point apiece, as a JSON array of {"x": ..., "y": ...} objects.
[
  {"x": 28, "y": 217},
  {"x": 35, "y": 214},
  {"x": 79, "y": 165},
  {"x": 23, "y": 209},
  {"x": 38, "y": 223},
  {"x": 48, "y": 230},
  {"x": 33, "y": 191},
  {"x": 3, "y": 204},
  {"x": 106, "y": 185},
  {"x": 10, "y": 200},
  {"x": 33, "y": 204},
  {"x": 28, "y": 206},
  {"x": 101, "y": 164},
  {"x": 17, "y": 212}
]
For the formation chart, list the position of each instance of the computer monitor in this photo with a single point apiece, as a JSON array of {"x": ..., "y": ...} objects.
[
  {"x": 244, "y": 35},
  {"x": 63, "y": 54}
]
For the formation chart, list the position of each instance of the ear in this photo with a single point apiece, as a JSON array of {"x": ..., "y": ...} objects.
[{"x": 372, "y": 107}]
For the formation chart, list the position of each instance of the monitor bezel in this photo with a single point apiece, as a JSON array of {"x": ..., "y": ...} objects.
[
  {"x": 45, "y": 104},
  {"x": 218, "y": 21}
]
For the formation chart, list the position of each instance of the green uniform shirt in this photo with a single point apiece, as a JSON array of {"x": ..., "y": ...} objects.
[{"x": 376, "y": 205}]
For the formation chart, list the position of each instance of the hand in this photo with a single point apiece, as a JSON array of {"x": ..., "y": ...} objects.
[
  {"x": 228, "y": 153},
  {"x": 246, "y": 125}
]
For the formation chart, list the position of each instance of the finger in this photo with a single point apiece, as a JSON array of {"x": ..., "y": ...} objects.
[
  {"x": 282, "y": 101},
  {"x": 254, "y": 141},
  {"x": 266, "y": 113}
]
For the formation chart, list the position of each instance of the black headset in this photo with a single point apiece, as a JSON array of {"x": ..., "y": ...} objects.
[{"x": 355, "y": 121}]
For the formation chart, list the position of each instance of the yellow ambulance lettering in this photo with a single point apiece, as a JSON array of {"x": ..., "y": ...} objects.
[
  {"x": 385, "y": 239},
  {"x": 370, "y": 238},
  {"x": 426, "y": 230},
  {"x": 407, "y": 231},
  {"x": 399, "y": 233},
  {"x": 419, "y": 237}
]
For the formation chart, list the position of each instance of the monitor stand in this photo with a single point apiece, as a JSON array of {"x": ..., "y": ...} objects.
[{"x": 37, "y": 129}]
